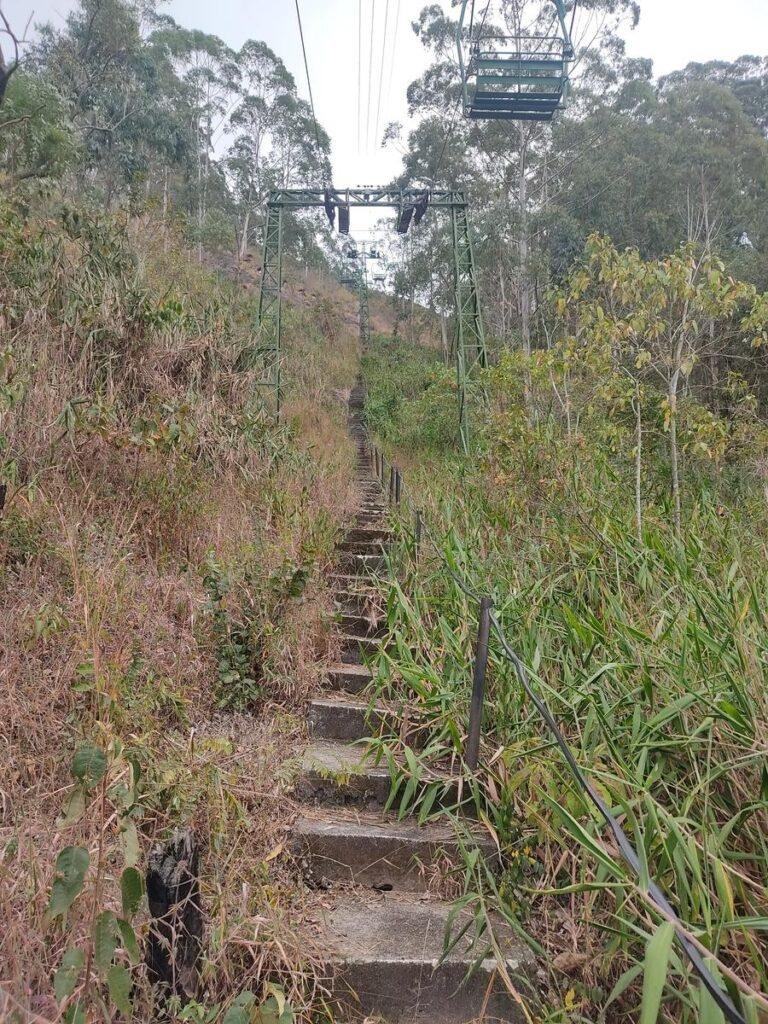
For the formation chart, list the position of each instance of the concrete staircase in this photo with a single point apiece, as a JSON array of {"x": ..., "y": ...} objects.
[{"x": 383, "y": 930}]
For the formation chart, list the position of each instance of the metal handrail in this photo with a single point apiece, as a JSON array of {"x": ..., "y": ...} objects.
[{"x": 488, "y": 621}]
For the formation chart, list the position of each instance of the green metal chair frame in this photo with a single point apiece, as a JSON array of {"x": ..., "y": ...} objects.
[{"x": 515, "y": 78}]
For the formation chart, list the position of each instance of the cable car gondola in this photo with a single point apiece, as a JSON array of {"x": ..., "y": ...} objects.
[{"x": 515, "y": 78}]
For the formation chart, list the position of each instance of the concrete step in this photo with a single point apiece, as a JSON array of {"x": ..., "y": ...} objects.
[
  {"x": 366, "y": 849},
  {"x": 349, "y": 582},
  {"x": 366, "y": 546},
  {"x": 345, "y": 720},
  {"x": 376, "y": 532},
  {"x": 349, "y": 678},
  {"x": 370, "y": 625},
  {"x": 356, "y": 649},
  {"x": 354, "y": 564},
  {"x": 363, "y": 603},
  {"x": 337, "y": 774},
  {"x": 387, "y": 959}
]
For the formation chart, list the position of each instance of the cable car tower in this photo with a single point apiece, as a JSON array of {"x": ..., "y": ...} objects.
[
  {"x": 513, "y": 78},
  {"x": 410, "y": 206}
]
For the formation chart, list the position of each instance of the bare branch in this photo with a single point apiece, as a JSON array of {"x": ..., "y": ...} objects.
[{"x": 8, "y": 67}]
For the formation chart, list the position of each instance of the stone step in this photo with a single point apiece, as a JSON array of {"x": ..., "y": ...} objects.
[
  {"x": 374, "y": 532},
  {"x": 362, "y": 625},
  {"x": 350, "y": 678},
  {"x": 356, "y": 649},
  {"x": 337, "y": 774},
  {"x": 354, "y": 564},
  {"x": 359, "y": 602},
  {"x": 345, "y": 720},
  {"x": 348, "y": 581},
  {"x": 368, "y": 850},
  {"x": 386, "y": 958},
  {"x": 372, "y": 517},
  {"x": 366, "y": 546}
]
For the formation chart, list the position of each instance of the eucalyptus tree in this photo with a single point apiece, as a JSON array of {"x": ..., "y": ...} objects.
[
  {"x": 508, "y": 165},
  {"x": 266, "y": 92},
  {"x": 118, "y": 94},
  {"x": 210, "y": 73}
]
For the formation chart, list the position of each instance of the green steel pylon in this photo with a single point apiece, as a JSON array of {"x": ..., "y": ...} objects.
[
  {"x": 270, "y": 303},
  {"x": 470, "y": 339}
]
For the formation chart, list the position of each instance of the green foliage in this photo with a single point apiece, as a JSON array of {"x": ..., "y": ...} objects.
[
  {"x": 409, "y": 396},
  {"x": 648, "y": 646},
  {"x": 112, "y": 938}
]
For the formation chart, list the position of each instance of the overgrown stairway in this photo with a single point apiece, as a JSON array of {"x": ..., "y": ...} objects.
[{"x": 382, "y": 929}]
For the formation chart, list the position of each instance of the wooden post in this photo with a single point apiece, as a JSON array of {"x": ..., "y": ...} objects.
[
  {"x": 392, "y": 472},
  {"x": 478, "y": 684},
  {"x": 176, "y": 929}
]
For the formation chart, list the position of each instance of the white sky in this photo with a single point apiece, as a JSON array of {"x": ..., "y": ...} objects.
[{"x": 672, "y": 32}]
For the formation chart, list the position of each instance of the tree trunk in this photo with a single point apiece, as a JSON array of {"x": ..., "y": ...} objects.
[
  {"x": 525, "y": 282},
  {"x": 244, "y": 234},
  {"x": 444, "y": 339}
]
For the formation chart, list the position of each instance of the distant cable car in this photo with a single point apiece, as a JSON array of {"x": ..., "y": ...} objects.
[{"x": 514, "y": 78}]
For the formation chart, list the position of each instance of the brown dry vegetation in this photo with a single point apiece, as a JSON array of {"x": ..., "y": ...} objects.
[{"x": 161, "y": 554}]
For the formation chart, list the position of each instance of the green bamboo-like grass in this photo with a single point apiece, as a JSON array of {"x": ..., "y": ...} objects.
[{"x": 652, "y": 653}]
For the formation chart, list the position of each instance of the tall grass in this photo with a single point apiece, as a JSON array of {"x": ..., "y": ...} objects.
[
  {"x": 162, "y": 547},
  {"x": 652, "y": 654}
]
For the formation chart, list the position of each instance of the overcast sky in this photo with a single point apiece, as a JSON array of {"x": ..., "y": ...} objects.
[{"x": 672, "y": 32}]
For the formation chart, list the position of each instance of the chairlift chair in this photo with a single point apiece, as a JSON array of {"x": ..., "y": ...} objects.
[{"x": 515, "y": 78}]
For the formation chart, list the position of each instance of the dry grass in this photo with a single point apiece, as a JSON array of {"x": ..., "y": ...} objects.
[{"x": 115, "y": 513}]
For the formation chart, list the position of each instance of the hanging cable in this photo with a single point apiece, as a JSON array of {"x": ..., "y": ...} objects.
[
  {"x": 381, "y": 73},
  {"x": 359, "y": 69},
  {"x": 452, "y": 125},
  {"x": 309, "y": 82},
  {"x": 370, "y": 76},
  {"x": 394, "y": 49}
]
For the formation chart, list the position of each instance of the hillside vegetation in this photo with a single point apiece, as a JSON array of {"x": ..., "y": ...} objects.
[
  {"x": 620, "y": 530},
  {"x": 161, "y": 542}
]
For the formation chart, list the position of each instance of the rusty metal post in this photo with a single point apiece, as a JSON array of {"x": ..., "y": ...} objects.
[{"x": 478, "y": 684}]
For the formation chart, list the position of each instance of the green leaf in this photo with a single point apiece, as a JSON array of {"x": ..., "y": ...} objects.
[
  {"x": 709, "y": 1011},
  {"x": 130, "y": 840},
  {"x": 73, "y": 810},
  {"x": 104, "y": 940},
  {"x": 584, "y": 838},
  {"x": 89, "y": 765},
  {"x": 274, "y": 1011},
  {"x": 131, "y": 891},
  {"x": 239, "y": 1011},
  {"x": 71, "y": 868},
  {"x": 130, "y": 942},
  {"x": 655, "y": 973},
  {"x": 65, "y": 980},
  {"x": 119, "y": 985},
  {"x": 75, "y": 1014}
]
